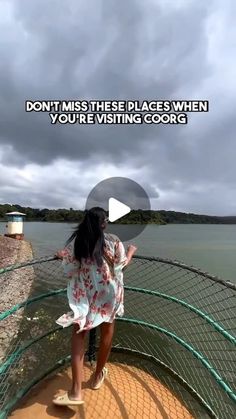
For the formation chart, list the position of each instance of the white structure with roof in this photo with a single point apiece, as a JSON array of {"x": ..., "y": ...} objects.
[{"x": 15, "y": 224}]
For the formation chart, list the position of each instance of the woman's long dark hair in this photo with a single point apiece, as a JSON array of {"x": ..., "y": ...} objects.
[{"x": 89, "y": 236}]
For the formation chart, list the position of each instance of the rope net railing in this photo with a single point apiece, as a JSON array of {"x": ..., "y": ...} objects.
[{"x": 179, "y": 325}]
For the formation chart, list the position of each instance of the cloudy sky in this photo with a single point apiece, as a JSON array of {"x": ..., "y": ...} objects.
[{"x": 154, "y": 50}]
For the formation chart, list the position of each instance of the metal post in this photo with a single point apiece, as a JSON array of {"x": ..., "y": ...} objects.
[{"x": 92, "y": 346}]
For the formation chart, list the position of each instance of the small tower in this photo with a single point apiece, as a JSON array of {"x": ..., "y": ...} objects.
[{"x": 15, "y": 225}]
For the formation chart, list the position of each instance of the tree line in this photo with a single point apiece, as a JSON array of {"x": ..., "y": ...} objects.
[{"x": 134, "y": 217}]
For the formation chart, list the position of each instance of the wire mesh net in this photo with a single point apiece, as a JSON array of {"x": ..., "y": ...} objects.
[{"x": 179, "y": 317}]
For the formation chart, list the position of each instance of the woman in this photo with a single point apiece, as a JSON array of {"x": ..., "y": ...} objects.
[{"x": 95, "y": 293}]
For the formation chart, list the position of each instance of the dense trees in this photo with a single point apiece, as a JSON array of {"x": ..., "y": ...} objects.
[
  {"x": 45, "y": 214},
  {"x": 135, "y": 217}
]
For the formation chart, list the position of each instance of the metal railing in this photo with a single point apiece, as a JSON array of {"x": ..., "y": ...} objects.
[{"x": 178, "y": 318}]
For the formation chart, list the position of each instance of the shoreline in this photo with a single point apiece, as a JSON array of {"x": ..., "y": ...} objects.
[
  {"x": 14, "y": 251},
  {"x": 124, "y": 224},
  {"x": 15, "y": 287}
]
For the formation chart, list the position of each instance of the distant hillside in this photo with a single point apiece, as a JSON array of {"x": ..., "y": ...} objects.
[
  {"x": 135, "y": 217},
  {"x": 173, "y": 217}
]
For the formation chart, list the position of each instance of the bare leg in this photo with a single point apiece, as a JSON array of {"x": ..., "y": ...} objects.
[
  {"x": 77, "y": 360},
  {"x": 107, "y": 331}
]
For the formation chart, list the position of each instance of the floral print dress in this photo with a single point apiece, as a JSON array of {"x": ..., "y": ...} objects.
[{"x": 95, "y": 294}]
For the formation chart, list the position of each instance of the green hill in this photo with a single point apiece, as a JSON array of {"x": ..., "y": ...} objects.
[{"x": 134, "y": 217}]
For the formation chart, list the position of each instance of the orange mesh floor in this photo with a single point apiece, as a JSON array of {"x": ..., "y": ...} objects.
[{"x": 128, "y": 393}]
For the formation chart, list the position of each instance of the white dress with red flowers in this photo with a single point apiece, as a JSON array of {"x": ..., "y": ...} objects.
[{"x": 95, "y": 294}]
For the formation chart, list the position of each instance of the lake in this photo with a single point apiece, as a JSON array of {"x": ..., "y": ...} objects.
[
  {"x": 209, "y": 247},
  {"x": 212, "y": 248}
]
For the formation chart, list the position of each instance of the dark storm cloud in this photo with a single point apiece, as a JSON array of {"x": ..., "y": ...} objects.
[
  {"x": 116, "y": 50},
  {"x": 94, "y": 52}
]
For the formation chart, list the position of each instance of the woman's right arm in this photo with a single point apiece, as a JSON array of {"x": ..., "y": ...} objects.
[
  {"x": 130, "y": 252},
  {"x": 122, "y": 258}
]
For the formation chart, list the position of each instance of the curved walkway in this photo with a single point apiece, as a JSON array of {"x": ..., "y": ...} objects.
[{"x": 127, "y": 393}]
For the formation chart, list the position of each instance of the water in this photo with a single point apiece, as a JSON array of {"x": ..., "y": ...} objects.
[{"x": 211, "y": 248}]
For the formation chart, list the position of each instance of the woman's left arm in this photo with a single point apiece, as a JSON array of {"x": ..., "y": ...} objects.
[{"x": 68, "y": 261}]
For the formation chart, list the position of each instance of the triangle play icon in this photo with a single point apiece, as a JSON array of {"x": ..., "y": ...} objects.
[{"x": 117, "y": 209}]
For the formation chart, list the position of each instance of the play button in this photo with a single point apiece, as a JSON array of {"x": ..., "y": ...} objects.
[
  {"x": 127, "y": 204},
  {"x": 117, "y": 209}
]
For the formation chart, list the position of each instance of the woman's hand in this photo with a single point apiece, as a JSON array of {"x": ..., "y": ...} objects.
[
  {"x": 130, "y": 252},
  {"x": 59, "y": 254},
  {"x": 132, "y": 249}
]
